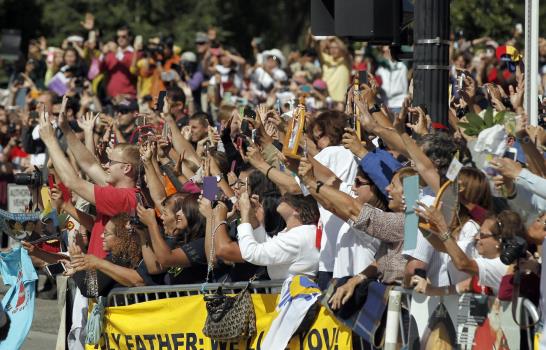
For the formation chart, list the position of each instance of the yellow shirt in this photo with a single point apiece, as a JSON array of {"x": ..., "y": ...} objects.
[{"x": 336, "y": 74}]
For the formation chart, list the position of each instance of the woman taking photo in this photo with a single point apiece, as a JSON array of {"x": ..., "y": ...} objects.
[
  {"x": 180, "y": 251},
  {"x": 488, "y": 267}
]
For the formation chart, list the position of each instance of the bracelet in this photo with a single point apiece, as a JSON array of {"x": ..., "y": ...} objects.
[
  {"x": 267, "y": 172},
  {"x": 319, "y": 185},
  {"x": 445, "y": 236},
  {"x": 362, "y": 276},
  {"x": 219, "y": 224}
]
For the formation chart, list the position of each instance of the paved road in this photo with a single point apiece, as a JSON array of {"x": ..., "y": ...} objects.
[{"x": 43, "y": 334}]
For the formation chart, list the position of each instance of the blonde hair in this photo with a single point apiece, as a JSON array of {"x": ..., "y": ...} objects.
[{"x": 129, "y": 152}]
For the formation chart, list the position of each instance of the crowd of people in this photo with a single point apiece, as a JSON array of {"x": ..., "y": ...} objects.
[{"x": 170, "y": 165}]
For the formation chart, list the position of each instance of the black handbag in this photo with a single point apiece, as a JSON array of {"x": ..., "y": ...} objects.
[{"x": 230, "y": 318}]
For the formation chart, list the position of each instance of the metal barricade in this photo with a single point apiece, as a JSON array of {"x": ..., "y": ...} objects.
[
  {"x": 399, "y": 296},
  {"x": 131, "y": 295},
  {"x": 397, "y": 329}
]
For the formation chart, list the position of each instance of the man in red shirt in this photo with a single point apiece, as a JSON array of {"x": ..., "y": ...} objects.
[
  {"x": 113, "y": 191},
  {"x": 116, "y": 62}
]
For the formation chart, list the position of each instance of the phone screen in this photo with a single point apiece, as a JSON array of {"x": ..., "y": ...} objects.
[
  {"x": 55, "y": 269},
  {"x": 511, "y": 153},
  {"x": 210, "y": 188}
]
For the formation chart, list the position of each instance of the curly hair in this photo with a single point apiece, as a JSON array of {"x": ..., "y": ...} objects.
[
  {"x": 440, "y": 147},
  {"x": 127, "y": 250}
]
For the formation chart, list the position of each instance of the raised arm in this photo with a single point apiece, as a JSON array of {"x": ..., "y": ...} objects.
[
  {"x": 286, "y": 183},
  {"x": 61, "y": 163},
  {"x": 157, "y": 191},
  {"x": 166, "y": 256},
  {"x": 424, "y": 166},
  {"x": 86, "y": 159},
  {"x": 440, "y": 230},
  {"x": 339, "y": 203}
]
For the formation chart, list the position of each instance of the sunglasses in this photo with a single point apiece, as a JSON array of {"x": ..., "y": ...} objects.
[{"x": 360, "y": 183}]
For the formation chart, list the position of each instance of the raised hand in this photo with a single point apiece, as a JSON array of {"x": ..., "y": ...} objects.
[
  {"x": 62, "y": 120},
  {"x": 351, "y": 141},
  {"x": 87, "y": 121},
  {"x": 46, "y": 129},
  {"x": 305, "y": 171},
  {"x": 423, "y": 122},
  {"x": 146, "y": 216}
]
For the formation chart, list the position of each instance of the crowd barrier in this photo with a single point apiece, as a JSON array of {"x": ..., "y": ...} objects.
[{"x": 397, "y": 325}]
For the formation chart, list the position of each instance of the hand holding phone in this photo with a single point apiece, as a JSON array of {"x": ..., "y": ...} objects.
[{"x": 55, "y": 269}]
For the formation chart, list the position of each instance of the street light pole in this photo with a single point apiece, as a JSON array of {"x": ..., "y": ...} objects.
[{"x": 431, "y": 58}]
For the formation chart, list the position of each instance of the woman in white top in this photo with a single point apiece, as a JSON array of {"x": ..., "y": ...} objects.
[
  {"x": 292, "y": 251},
  {"x": 487, "y": 267}
]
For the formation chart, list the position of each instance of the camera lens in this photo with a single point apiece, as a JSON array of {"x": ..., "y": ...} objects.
[{"x": 513, "y": 249}]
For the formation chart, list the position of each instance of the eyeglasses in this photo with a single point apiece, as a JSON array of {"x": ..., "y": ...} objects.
[
  {"x": 114, "y": 162},
  {"x": 482, "y": 235},
  {"x": 360, "y": 183},
  {"x": 123, "y": 36}
]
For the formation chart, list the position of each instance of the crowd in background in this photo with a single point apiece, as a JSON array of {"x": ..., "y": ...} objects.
[{"x": 134, "y": 129}]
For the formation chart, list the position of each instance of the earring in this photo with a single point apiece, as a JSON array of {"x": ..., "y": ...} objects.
[{"x": 497, "y": 246}]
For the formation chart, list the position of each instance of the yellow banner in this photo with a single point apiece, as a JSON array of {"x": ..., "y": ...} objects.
[{"x": 177, "y": 323}]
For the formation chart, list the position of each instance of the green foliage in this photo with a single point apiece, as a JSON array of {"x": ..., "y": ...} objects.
[
  {"x": 280, "y": 22},
  {"x": 493, "y": 18},
  {"x": 475, "y": 124}
]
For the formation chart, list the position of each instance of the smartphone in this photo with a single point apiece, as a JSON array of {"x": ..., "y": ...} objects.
[
  {"x": 233, "y": 165},
  {"x": 305, "y": 148},
  {"x": 350, "y": 122},
  {"x": 249, "y": 112},
  {"x": 161, "y": 101},
  {"x": 363, "y": 77},
  {"x": 253, "y": 137},
  {"x": 511, "y": 153},
  {"x": 55, "y": 269},
  {"x": 460, "y": 80},
  {"x": 210, "y": 188},
  {"x": 245, "y": 128}
]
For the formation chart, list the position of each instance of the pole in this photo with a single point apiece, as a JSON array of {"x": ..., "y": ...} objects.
[
  {"x": 431, "y": 58},
  {"x": 531, "y": 60},
  {"x": 393, "y": 316}
]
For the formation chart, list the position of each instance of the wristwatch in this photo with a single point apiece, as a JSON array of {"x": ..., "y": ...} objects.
[{"x": 375, "y": 108}]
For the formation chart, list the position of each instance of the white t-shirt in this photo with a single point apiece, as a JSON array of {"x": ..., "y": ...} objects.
[
  {"x": 467, "y": 244},
  {"x": 355, "y": 250},
  {"x": 491, "y": 272},
  {"x": 342, "y": 163}
]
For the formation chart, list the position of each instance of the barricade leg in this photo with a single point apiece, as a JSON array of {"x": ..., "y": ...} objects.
[{"x": 393, "y": 316}]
